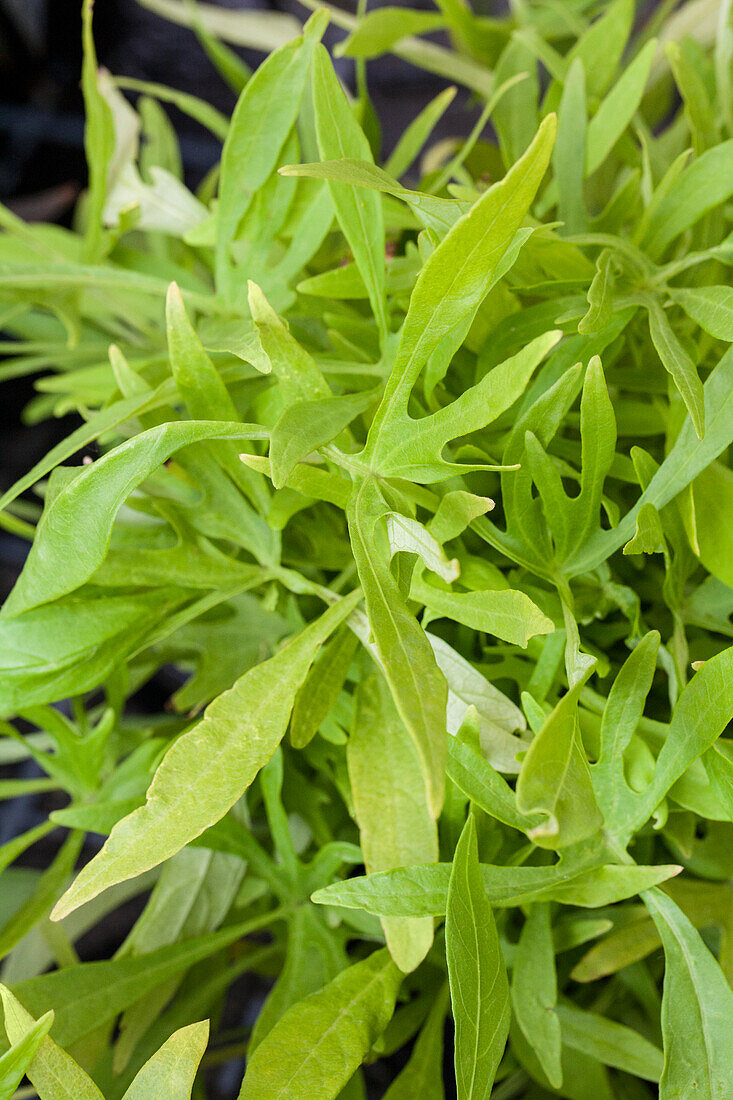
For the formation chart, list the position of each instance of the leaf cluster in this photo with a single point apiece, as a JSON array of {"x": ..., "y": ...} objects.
[{"x": 414, "y": 472}]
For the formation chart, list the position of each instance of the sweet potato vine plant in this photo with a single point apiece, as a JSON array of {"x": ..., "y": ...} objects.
[{"x": 415, "y": 474}]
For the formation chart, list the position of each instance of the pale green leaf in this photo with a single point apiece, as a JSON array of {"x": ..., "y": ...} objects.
[
  {"x": 458, "y": 275},
  {"x": 74, "y": 532},
  {"x": 555, "y": 780},
  {"x": 172, "y": 1069},
  {"x": 305, "y": 426},
  {"x": 417, "y": 684},
  {"x": 15, "y": 1062},
  {"x": 319, "y": 1043},
  {"x": 54, "y": 1073},
  {"x": 422, "y": 891},
  {"x": 207, "y": 769},
  {"x": 396, "y": 828},
  {"x": 379, "y": 29}
]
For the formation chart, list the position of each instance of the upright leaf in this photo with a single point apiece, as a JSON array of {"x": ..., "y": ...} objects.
[
  {"x": 679, "y": 364},
  {"x": 568, "y": 156},
  {"x": 417, "y": 684},
  {"x": 457, "y": 277},
  {"x": 697, "y": 1009},
  {"x": 263, "y": 118},
  {"x": 478, "y": 981},
  {"x": 99, "y": 138},
  {"x": 534, "y": 991},
  {"x": 617, "y": 109},
  {"x": 172, "y": 1069},
  {"x": 555, "y": 780},
  {"x": 622, "y": 713},
  {"x": 702, "y": 186},
  {"x": 423, "y": 1074},
  {"x": 396, "y": 827},
  {"x": 359, "y": 212}
]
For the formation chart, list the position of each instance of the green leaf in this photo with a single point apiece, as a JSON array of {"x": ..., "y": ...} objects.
[
  {"x": 15, "y": 1062},
  {"x": 698, "y": 107},
  {"x": 262, "y": 120},
  {"x": 702, "y": 713},
  {"x": 41, "y": 901},
  {"x": 456, "y": 278},
  {"x": 676, "y": 360},
  {"x": 54, "y": 1073},
  {"x": 305, "y": 426},
  {"x": 649, "y": 536},
  {"x": 408, "y": 536},
  {"x": 609, "y": 1042},
  {"x": 457, "y": 509},
  {"x": 319, "y": 1043},
  {"x": 484, "y": 786},
  {"x": 710, "y": 306},
  {"x": 708, "y": 520},
  {"x": 622, "y": 713},
  {"x": 238, "y": 734},
  {"x": 555, "y": 780},
  {"x": 422, "y": 891},
  {"x": 396, "y": 828},
  {"x": 99, "y": 138},
  {"x": 299, "y": 377},
  {"x": 378, "y": 30},
  {"x": 423, "y": 1074},
  {"x": 687, "y": 458},
  {"x": 617, "y": 109},
  {"x": 226, "y": 61},
  {"x": 72, "y": 645},
  {"x": 568, "y": 157},
  {"x": 601, "y": 46},
  {"x": 701, "y": 187},
  {"x": 322, "y": 686},
  {"x": 96, "y": 426},
  {"x": 190, "y": 105},
  {"x": 171, "y": 1070},
  {"x": 516, "y": 115},
  {"x": 417, "y": 133},
  {"x": 478, "y": 981},
  {"x": 697, "y": 1007},
  {"x": 600, "y": 293},
  {"x": 313, "y": 958},
  {"x": 417, "y": 684},
  {"x": 197, "y": 381},
  {"x": 598, "y": 436},
  {"x": 85, "y": 995},
  {"x": 359, "y": 213},
  {"x": 534, "y": 991},
  {"x": 511, "y": 616},
  {"x": 414, "y": 448},
  {"x": 74, "y": 532},
  {"x": 437, "y": 214}
]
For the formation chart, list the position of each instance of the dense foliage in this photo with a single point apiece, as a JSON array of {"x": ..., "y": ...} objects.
[{"x": 423, "y": 489}]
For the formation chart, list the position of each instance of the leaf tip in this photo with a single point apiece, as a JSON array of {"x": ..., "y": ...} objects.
[{"x": 315, "y": 28}]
